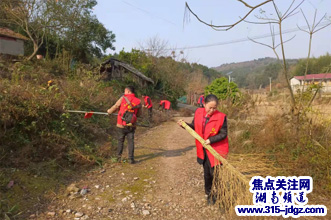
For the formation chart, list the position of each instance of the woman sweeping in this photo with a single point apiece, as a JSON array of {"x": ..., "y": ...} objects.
[{"x": 210, "y": 124}]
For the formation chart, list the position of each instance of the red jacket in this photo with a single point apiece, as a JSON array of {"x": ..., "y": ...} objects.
[
  {"x": 166, "y": 104},
  {"x": 125, "y": 106},
  {"x": 212, "y": 128},
  {"x": 146, "y": 102}
]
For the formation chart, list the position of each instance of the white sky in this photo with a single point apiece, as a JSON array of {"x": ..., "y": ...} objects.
[{"x": 135, "y": 21}]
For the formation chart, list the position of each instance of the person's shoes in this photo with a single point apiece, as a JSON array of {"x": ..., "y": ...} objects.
[
  {"x": 132, "y": 161},
  {"x": 119, "y": 159},
  {"x": 211, "y": 200}
]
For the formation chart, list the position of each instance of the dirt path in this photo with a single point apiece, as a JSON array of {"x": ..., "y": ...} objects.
[{"x": 166, "y": 183}]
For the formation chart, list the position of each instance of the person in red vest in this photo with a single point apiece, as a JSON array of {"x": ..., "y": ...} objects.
[
  {"x": 127, "y": 102},
  {"x": 165, "y": 104},
  {"x": 148, "y": 104},
  {"x": 201, "y": 100},
  {"x": 210, "y": 124}
]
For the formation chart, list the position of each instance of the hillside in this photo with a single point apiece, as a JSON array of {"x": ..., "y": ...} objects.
[
  {"x": 253, "y": 74},
  {"x": 252, "y": 64}
]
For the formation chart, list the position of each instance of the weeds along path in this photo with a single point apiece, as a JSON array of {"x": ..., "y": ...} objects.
[{"x": 166, "y": 183}]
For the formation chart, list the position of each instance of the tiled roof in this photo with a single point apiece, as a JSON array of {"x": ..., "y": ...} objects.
[
  {"x": 314, "y": 76},
  {"x": 9, "y": 33}
]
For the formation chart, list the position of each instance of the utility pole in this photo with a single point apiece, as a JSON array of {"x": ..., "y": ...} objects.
[
  {"x": 270, "y": 82},
  {"x": 229, "y": 73}
]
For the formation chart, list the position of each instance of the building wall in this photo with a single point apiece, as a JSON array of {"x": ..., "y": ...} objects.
[
  {"x": 326, "y": 85},
  {"x": 11, "y": 46},
  {"x": 294, "y": 81},
  {"x": 295, "y": 84}
]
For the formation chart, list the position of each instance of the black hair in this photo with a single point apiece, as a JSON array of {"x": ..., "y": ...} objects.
[
  {"x": 210, "y": 98},
  {"x": 131, "y": 88}
]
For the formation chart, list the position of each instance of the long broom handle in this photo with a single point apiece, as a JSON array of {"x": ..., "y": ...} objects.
[
  {"x": 97, "y": 113},
  {"x": 213, "y": 152},
  {"x": 101, "y": 113}
]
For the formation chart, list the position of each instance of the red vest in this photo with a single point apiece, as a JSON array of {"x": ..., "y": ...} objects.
[
  {"x": 202, "y": 98},
  {"x": 146, "y": 103},
  {"x": 166, "y": 104},
  {"x": 212, "y": 128},
  {"x": 125, "y": 106}
]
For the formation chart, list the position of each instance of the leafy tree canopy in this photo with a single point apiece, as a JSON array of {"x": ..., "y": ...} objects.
[
  {"x": 54, "y": 26},
  {"x": 318, "y": 65},
  {"x": 222, "y": 89}
]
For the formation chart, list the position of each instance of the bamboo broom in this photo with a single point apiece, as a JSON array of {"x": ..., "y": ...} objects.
[{"x": 230, "y": 187}]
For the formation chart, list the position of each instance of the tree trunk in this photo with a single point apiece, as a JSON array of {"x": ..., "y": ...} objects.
[{"x": 35, "y": 50}]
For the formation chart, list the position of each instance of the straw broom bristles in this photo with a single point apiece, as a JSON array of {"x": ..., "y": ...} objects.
[{"x": 230, "y": 187}]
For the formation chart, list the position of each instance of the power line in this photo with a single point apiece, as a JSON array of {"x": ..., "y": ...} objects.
[
  {"x": 242, "y": 39},
  {"x": 149, "y": 13}
]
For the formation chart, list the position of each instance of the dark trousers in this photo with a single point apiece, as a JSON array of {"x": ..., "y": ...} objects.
[
  {"x": 150, "y": 113},
  {"x": 129, "y": 132},
  {"x": 208, "y": 174}
]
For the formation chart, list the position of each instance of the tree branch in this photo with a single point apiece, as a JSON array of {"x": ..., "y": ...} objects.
[
  {"x": 247, "y": 5},
  {"x": 260, "y": 43},
  {"x": 322, "y": 28},
  {"x": 286, "y": 41},
  {"x": 256, "y": 22},
  {"x": 289, "y": 14},
  {"x": 289, "y": 7},
  {"x": 302, "y": 29},
  {"x": 230, "y": 26}
]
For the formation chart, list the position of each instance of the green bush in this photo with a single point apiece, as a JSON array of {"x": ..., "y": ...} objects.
[{"x": 223, "y": 89}]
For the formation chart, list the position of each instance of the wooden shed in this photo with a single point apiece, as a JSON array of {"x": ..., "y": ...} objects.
[
  {"x": 11, "y": 43},
  {"x": 116, "y": 69}
]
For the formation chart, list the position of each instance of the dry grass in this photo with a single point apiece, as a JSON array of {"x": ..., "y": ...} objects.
[
  {"x": 184, "y": 112},
  {"x": 291, "y": 148}
]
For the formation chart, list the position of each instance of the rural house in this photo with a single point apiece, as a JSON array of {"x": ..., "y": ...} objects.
[
  {"x": 323, "y": 79},
  {"x": 11, "y": 43}
]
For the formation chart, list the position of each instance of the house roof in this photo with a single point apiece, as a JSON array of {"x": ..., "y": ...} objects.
[
  {"x": 314, "y": 76},
  {"x": 9, "y": 33}
]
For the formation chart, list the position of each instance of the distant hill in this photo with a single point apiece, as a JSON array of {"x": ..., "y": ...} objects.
[
  {"x": 227, "y": 67},
  {"x": 253, "y": 74}
]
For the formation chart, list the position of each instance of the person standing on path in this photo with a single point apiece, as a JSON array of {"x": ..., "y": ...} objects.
[
  {"x": 127, "y": 103},
  {"x": 210, "y": 124},
  {"x": 148, "y": 104},
  {"x": 201, "y": 101}
]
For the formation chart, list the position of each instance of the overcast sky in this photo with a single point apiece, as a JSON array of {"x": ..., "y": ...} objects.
[{"x": 136, "y": 21}]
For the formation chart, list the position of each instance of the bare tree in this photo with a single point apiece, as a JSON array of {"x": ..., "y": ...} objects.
[
  {"x": 312, "y": 29},
  {"x": 155, "y": 46},
  {"x": 278, "y": 20}
]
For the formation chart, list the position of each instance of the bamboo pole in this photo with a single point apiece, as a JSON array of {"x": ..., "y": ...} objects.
[
  {"x": 97, "y": 113},
  {"x": 224, "y": 162}
]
